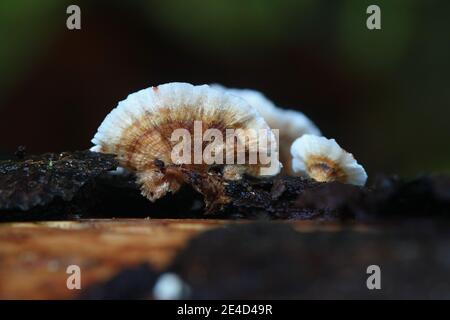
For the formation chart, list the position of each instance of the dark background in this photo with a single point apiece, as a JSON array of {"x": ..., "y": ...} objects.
[{"x": 383, "y": 95}]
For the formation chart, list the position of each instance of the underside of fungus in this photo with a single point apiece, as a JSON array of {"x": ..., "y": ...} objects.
[
  {"x": 140, "y": 132},
  {"x": 291, "y": 124},
  {"x": 324, "y": 160}
]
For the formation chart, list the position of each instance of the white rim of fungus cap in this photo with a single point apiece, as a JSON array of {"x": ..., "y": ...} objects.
[
  {"x": 292, "y": 123},
  {"x": 324, "y": 160},
  {"x": 174, "y": 94},
  {"x": 138, "y": 131}
]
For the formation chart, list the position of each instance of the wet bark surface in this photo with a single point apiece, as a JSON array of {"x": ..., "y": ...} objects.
[
  {"x": 280, "y": 237},
  {"x": 40, "y": 184},
  {"x": 80, "y": 185}
]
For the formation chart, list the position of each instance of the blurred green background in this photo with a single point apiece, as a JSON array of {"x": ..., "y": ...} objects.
[{"x": 383, "y": 95}]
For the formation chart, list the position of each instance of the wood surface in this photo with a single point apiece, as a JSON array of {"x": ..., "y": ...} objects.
[{"x": 34, "y": 256}]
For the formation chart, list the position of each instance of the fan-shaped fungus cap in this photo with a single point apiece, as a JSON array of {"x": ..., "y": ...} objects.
[
  {"x": 324, "y": 160},
  {"x": 140, "y": 132},
  {"x": 290, "y": 124}
]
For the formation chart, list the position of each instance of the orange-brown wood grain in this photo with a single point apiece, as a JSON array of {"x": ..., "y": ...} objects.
[{"x": 34, "y": 256}]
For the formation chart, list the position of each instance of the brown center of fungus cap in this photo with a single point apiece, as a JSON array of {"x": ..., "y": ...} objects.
[
  {"x": 149, "y": 137},
  {"x": 323, "y": 169},
  {"x": 165, "y": 135}
]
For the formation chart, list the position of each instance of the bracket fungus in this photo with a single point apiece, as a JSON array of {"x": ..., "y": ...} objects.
[
  {"x": 290, "y": 124},
  {"x": 324, "y": 160},
  {"x": 174, "y": 133}
]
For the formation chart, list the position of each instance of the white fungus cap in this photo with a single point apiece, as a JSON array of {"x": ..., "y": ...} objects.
[
  {"x": 324, "y": 160},
  {"x": 139, "y": 132},
  {"x": 291, "y": 122}
]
